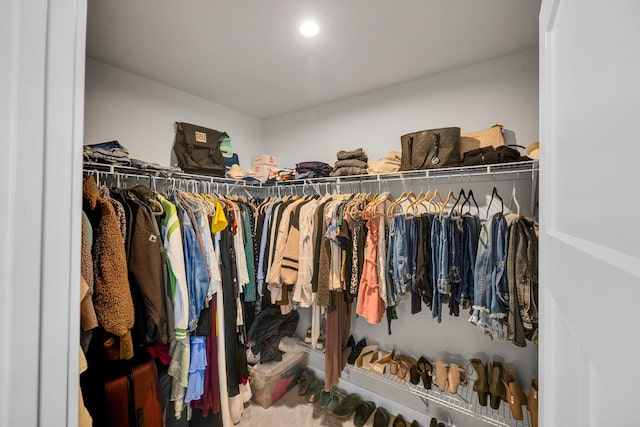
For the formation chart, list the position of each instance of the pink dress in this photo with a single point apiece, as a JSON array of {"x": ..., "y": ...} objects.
[{"x": 370, "y": 305}]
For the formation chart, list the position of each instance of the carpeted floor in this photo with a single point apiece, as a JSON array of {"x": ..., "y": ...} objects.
[{"x": 292, "y": 411}]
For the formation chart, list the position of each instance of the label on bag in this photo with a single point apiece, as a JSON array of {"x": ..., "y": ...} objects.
[{"x": 201, "y": 137}]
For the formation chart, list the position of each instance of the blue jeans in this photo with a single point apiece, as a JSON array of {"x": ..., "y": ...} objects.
[
  {"x": 470, "y": 235},
  {"x": 196, "y": 269},
  {"x": 440, "y": 262},
  {"x": 454, "y": 236},
  {"x": 499, "y": 241},
  {"x": 490, "y": 305},
  {"x": 411, "y": 240}
]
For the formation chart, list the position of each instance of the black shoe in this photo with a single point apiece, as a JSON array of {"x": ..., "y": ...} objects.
[
  {"x": 355, "y": 353},
  {"x": 363, "y": 412},
  {"x": 381, "y": 418}
]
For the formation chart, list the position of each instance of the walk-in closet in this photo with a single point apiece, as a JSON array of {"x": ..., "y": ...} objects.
[{"x": 319, "y": 213}]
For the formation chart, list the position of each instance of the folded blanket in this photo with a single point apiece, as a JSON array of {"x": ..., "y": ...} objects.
[
  {"x": 345, "y": 171},
  {"x": 393, "y": 156},
  {"x": 383, "y": 166},
  {"x": 351, "y": 163},
  {"x": 358, "y": 154}
]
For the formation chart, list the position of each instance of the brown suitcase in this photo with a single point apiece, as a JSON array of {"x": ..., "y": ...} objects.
[{"x": 133, "y": 399}]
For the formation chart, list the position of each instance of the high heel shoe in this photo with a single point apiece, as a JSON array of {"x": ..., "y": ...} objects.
[
  {"x": 404, "y": 366},
  {"x": 380, "y": 366},
  {"x": 481, "y": 384},
  {"x": 456, "y": 377},
  {"x": 422, "y": 370},
  {"x": 369, "y": 361},
  {"x": 496, "y": 386},
  {"x": 515, "y": 396},
  {"x": 532, "y": 402},
  {"x": 442, "y": 373},
  {"x": 366, "y": 353}
]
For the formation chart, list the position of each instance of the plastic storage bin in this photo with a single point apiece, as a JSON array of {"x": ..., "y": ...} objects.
[{"x": 270, "y": 381}]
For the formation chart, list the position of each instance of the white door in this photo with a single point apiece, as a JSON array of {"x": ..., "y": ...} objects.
[{"x": 590, "y": 200}]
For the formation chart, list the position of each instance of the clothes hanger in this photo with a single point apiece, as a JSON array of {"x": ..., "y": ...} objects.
[
  {"x": 438, "y": 203},
  {"x": 461, "y": 196},
  {"x": 514, "y": 199},
  {"x": 494, "y": 194},
  {"x": 450, "y": 196},
  {"x": 470, "y": 197}
]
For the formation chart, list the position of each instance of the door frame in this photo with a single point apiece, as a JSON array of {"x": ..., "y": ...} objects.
[
  {"x": 42, "y": 114},
  {"x": 548, "y": 13}
]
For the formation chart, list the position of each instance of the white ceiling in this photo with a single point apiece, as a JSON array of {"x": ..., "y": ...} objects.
[{"x": 249, "y": 56}]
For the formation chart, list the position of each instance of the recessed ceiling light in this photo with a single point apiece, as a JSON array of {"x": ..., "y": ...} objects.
[{"x": 309, "y": 29}]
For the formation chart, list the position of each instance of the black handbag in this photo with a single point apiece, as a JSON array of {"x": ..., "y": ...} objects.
[
  {"x": 491, "y": 155},
  {"x": 430, "y": 149},
  {"x": 197, "y": 149}
]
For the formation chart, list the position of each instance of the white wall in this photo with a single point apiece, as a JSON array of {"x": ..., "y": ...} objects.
[
  {"x": 504, "y": 90},
  {"x": 140, "y": 113}
]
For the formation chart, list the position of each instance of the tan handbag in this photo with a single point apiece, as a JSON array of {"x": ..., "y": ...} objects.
[{"x": 491, "y": 137}]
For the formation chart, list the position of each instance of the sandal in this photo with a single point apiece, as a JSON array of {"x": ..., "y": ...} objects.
[
  {"x": 456, "y": 377},
  {"x": 366, "y": 352},
  {"x": 442, "y": 373},
  {"x": 399, "y": 421},
  {"x": 347, "y": 407},
  {"x": 368, "y": 362},
  {"x": 363, "y": 412},
  {"x": 381, "y": 418},
  {"x": 315, "y": 389},
  {"x": 337, "y": 397},
  {"x": 304, "y": 381},
  {"x": 325, "y": 397},
  {"x": 406, "y": 363},
  {"x": 380, "y": 365},
  {"x": 426, "y": 372},
  {"x": 321, "y": 341}
]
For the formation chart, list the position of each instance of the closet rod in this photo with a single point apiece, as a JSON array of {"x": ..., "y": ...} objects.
[{"x": 514, "y": 168}]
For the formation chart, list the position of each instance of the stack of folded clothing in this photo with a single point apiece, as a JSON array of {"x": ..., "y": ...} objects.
[
  {"x": 390, "y": 163},
  {"x": 313, "y": 169},
  {"x": 160, "y": 170},
  {"x": 281, "y": 174},
  {"x": 351, "y": 163},
  {"x": 107, "y": 152}
]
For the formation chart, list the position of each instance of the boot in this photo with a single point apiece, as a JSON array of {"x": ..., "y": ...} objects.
[
  {"x": 481, "y": 385},
  {"x": 442, "y": 373},
  {"x": 496, "y": 386},
  {"x": 456, "y": 377},
  {"x": 515, "y": 396},
  {"x": 532, "y": 402}
]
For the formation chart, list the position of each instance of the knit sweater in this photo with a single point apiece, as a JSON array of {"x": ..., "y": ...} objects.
[{"x": 112, "y": 296}]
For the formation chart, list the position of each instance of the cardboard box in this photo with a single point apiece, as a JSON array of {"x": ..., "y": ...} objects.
[
  {"x": 264, "y": 159},
  {"x": 271, "y": 380},
  {"x": 262, "y": 172}
]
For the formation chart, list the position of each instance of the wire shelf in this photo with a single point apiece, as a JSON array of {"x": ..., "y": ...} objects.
[
  {"x": 464, "y": 401},
  {"x": 471, "y": 172}
]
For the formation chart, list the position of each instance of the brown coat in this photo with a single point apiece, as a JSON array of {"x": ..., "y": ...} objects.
[{"x": 111, "y": 296}]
